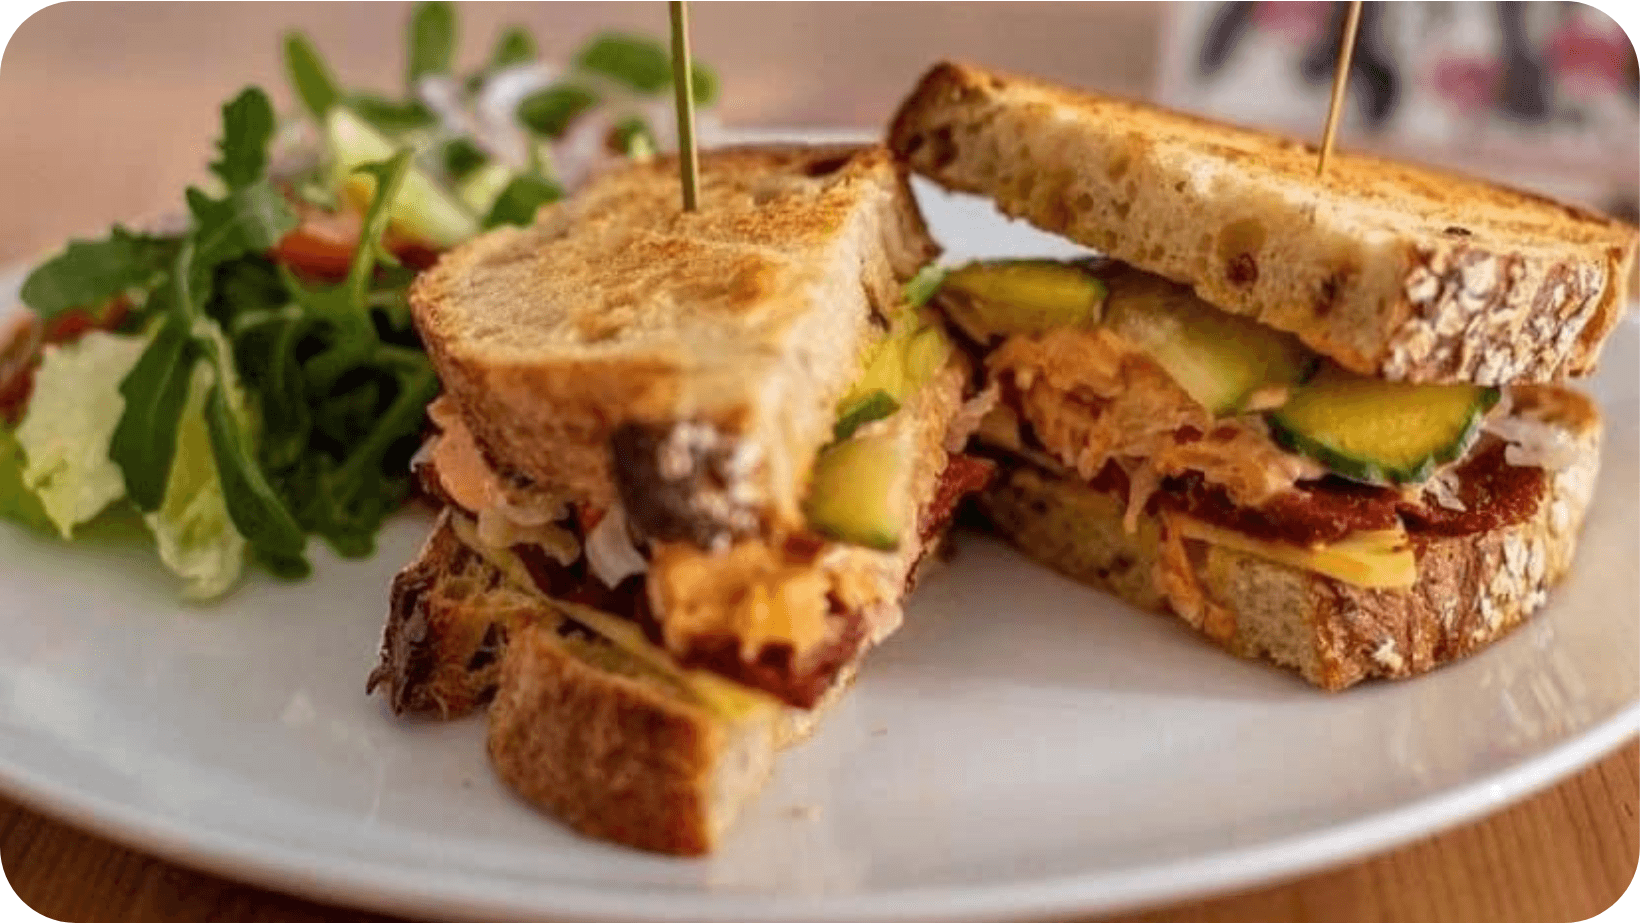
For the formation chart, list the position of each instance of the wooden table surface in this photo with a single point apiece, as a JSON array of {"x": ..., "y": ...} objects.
[{"x": 110, "y": 109}]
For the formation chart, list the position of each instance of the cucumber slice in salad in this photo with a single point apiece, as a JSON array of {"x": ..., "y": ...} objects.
[{"x": 422, "y": 210}]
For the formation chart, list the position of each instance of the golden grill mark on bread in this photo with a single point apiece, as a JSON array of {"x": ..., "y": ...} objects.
[{"x": 1393, "y": 270}]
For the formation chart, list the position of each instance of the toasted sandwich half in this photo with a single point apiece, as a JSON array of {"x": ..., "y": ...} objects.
[
  {"x": 690, "y": 464},
  {"x": 1317, "y": 418}
]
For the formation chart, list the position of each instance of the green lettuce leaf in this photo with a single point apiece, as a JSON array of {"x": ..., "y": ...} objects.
[
  {"x": 195, "y": 535},
  {"x": 17, "y": 502},
  {"x": 70, "y": 422}
]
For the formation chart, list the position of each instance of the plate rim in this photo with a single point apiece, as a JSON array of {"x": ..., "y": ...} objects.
[{"x": 379, "y": 885}]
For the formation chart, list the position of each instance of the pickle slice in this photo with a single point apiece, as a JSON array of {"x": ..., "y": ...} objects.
[{"x": 1001, "y": 297}]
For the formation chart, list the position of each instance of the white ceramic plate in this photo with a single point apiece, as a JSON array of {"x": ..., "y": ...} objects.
[{"x": 1025, "y": 746}]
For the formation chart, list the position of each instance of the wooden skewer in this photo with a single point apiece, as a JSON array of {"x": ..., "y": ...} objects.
[
  {"x": 683, "y": 82},
  {"x": 1341, "y": 79}
]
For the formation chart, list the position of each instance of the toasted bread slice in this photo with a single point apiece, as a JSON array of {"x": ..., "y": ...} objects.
[
  {"x": 588, "y": 720},
  {"x": 1470, "y": 589},
  {"x": 619, "y": 317},
  {"x": 449, "y": 615},
  {"x": 622, "y": 752},
  {"x": 1393, "y": 270}
]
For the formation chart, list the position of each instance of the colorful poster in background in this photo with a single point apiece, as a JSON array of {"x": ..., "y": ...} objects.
[{"x": 1544, "y": 95}]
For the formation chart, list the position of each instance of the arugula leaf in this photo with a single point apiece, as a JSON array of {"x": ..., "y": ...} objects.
[
  {"x": 632, "y": 60},
  {"x": 461, "y": 157},
  {"x": 515, "y": 46},
  {"x": 390, "y": 116},
  {"x": 372, "y": 250},
  {"x": 520, "y": 199},
  {"x": 309, "y": 76},
  {"x": 642, "y": 64},
  {"x": 247, "y": 127},
  {"x": 257, "y": 512},
  {"x": 432, "y": 40},
  {"x": 247, "y": 285},
  {"x": 704, "y": 81},
  {"x": 144, "y": 441},
  {"x": 550, "y": 111},
  {"x": 633, "y": 137},
  {"x": 286, "y": 419},
  {"x": 249, "y": 220},
  {"x": 88, "y": 273},
  {"x": 17, "y": 502}
]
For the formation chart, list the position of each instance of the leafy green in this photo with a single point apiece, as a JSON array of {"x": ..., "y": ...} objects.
[
  {"x": 257, "y": 512},
  {"x": 643, "y": 65},
  {"x": 70, "y": 421},
  {"x": 17, "y": 502},
  {"x": 154, "y": 389},
  {"x": 248, "y": 220},
  {"x": 89, "y": 273},
  {"x": 875, "y": 405},
  {"x": 634, "y": 138},
  {"x": 520, "y": 199},
  {"x": 392, "y": 117},
  {"x": 461, "y": 157},
  {"x": 247, "y": 128},
  {"x": 705, "y": 83},
  {"x": 344, "y": 391},
  {"x": 921, "y": 287},
  {"x": 432, "y": 40},
  {"x": 515, "y": 46},
  {"x": 192, "y": 529},
  {"x": 309, "y": 76},
  {"x": 550, "y": 111},
  {"x": 637, "y": 62}
]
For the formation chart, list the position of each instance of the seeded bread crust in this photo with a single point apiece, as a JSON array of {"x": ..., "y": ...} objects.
[
  {"x": 1471, "y": 590},
  {"x": 616, "y": 307},
  {"x": 1392, "y": 270}
]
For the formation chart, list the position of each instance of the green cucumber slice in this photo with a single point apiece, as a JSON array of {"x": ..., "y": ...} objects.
[
  {"x": 860, "y": 491},
  {"x": 896, "y": 367},
  {"x": 1226, "y": 362},
  {"x": 1380, "y": 432},
  {"x": 1002, "y": 297},
  {"x": 480, "y": 187},
  {"x": 422, "y": 209}
]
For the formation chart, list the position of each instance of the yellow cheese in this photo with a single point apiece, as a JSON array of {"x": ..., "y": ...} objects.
[
  {"x": 725, "y": 697},
  {"x": 719, "y": 694},
  {"x": 1376, "y": 558}
]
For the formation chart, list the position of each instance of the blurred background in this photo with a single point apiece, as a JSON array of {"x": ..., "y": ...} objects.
[{"x": 110, "y": 108}]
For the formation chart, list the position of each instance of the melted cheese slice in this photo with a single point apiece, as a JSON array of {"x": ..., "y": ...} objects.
[
  {"x": 724, "y": 697},
  {"x": 1374, "y": 558}
]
